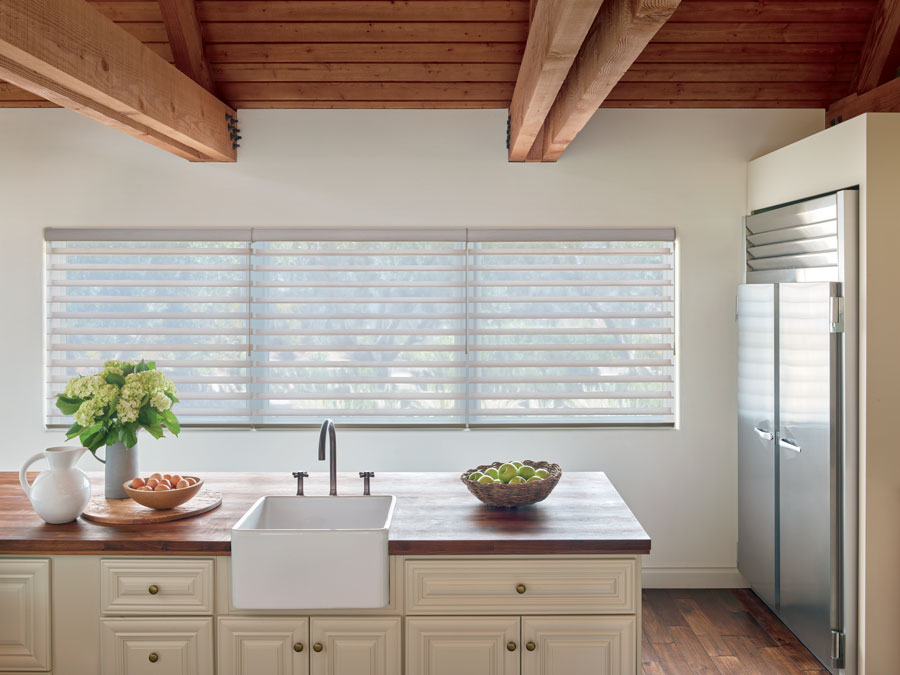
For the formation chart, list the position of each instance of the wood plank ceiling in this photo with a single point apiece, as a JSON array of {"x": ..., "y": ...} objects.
[{"x": 466, "y": 53}]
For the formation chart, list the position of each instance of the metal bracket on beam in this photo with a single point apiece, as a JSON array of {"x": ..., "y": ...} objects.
[{"x": 233, "y": 130}]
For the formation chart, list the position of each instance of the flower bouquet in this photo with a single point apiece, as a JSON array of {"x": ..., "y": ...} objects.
[{"x": 111, "y": 406}]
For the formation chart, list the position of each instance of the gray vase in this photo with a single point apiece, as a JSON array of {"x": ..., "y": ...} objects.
[{"x": 121, "y": 465}]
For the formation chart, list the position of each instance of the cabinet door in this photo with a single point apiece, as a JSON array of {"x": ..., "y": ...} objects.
[
  {"x": 263, "y": 646},
  {"x": 355, "y": 646},
  {"x": 156, "y": 646},
  {"x": 579, "y": 645},
  {"x": 473, "y": 645},
  {"x": 24, "y": 614}
]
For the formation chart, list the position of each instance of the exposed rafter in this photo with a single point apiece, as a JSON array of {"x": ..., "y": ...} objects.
[
  {"x": 885, "y": 98},
  {"x": 881, "y": 52},
  {"x": 557, "y": 30},
  {"x": 619, "y": 34},
  {"x": 67, "y": 52},
  {"x": 186, "y": 40}
]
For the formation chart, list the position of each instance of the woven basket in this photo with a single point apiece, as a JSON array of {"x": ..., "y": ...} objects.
[{"x": 500, "y": 495}]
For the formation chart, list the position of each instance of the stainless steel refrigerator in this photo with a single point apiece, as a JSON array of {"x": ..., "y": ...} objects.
[{"x": 797, "y": 429}]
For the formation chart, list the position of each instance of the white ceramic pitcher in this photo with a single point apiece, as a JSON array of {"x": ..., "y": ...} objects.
[{"x": 61, "y": 493}]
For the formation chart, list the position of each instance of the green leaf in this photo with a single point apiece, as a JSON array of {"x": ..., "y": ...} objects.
[
  {"x": 128, "y": 369},
  {"x": 172, "y": 397},
  {"x": 129, "y": 434},
  {"x": 171, "y": 422},
  {"x": 115, "y": 378},
  {"x": 151, "y": 365},
  {"x": 112, "y": 436},
  {"x": 73, "y": 431},
  {"x": 93, "y": 437},
  {"x": 68, "y": 406},
  {"x": 151, "y": 414},
  {"x": 154, "y": 430},
  {"x": 141, "y": 367}
]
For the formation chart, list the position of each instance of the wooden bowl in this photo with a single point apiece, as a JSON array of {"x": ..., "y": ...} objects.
[
  {"x": 500, "y": 495},
  {"x": 166, "y": 499}
]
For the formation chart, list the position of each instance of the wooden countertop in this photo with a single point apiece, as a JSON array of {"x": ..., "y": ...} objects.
[{"x": 434, "y": 515}]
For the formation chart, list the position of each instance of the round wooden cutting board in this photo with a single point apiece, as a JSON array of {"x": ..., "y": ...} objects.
[{"x": 129, "y": 512}]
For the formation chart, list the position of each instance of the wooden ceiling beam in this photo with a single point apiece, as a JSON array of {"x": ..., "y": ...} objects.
[
  {"x": 880, "y": 56},
  {"x": 65, "y": 51},
  {"x": 620, "y": 32},
  {"x": 186, "y": 39},
  {"x": 557, "y": 31},
  {"x": 885, "y": 98}
]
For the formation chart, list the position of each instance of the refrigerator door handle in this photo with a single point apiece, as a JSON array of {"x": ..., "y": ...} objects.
[
  {"x": 764, "y": 434},
  {"x": 788, "y": 444}
]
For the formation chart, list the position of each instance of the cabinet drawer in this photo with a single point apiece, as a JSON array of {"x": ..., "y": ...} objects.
[
  {"x": 155, "y": 646},
  {"x": 136, "y": 586},
  {"x": 520, "y": 586}
]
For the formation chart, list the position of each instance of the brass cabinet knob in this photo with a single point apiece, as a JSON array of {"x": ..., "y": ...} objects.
[
  {"x": 154, "y": 657},
  {"x": 511, "y": 646},
  {"x": 530, "y": 646},
  {"x": 520, "y": 589},
  {"x": 318, "y": 647},
  {"x": 153, "y": 590},
  {"x": 298, "y": 646}
]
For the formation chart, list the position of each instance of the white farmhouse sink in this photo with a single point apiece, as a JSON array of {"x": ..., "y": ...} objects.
[{"x": 312, "y": 553}]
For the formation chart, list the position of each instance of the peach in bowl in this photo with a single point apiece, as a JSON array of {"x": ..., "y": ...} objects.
[{"x": 163, "y": 491}]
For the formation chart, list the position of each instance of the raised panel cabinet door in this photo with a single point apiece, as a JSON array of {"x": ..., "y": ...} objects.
[
  {"x": 602, "y": 645},
  {"x": 24, "y": 614},
  {"x": 156, "y": 646},
  {"x": 469, "y": 645},
  {"x": 355, "y": 646},
  {"x": 263, "y": 646}
]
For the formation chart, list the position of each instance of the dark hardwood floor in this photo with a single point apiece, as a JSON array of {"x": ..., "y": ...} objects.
[{"x": 720, "y": 631}]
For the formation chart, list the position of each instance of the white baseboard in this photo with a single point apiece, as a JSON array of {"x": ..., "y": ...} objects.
[{"x": 693, "y": 577}]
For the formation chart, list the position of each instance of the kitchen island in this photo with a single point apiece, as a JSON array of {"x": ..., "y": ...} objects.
[{"x": 550, "y": 588}]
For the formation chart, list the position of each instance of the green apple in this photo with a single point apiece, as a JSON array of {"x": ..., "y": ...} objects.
[
  {"x": 542, "y": 473},
  {"x": 507, "y": 472},
  {"x": 526, "y": 472},
  {"x": 534, "y": 479},
  {"x": 515, "y": 480},
  {"x": 497, "y": 480},
  {"x": 486, "y": 479},
  {"x": 492, "y": 472},
  {"x": 475, "y": 475},
  {"x": 518, "y": 465}
]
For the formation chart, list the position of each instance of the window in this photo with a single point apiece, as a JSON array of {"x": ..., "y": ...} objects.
[{"x": 452, "y": 327}]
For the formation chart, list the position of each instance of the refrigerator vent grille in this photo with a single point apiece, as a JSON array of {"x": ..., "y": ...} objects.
[{"x": 802, "y": 238}]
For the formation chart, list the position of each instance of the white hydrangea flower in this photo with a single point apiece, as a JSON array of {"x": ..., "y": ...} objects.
[
  {"x": 98, "y": 396},
  {"x": 161, "y": 402}
]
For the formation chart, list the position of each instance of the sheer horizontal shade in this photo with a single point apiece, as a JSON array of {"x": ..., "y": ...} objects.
[{"x": 381, "y": 327}]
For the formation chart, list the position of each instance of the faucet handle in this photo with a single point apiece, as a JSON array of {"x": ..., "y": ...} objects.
[
  {"x": 366, "y": 475},
  {"x": 300, "y": 475}
]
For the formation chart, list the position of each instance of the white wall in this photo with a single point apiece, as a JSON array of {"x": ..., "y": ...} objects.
[{"x": 682, "y": 169}]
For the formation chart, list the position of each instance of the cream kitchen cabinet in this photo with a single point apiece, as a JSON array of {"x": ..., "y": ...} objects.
[
  {"x": 25, "y": 634},
  {"x": 578, "y": 645},
  {"x": 474, "y": 645},
  {"x": 263, "y": 646},
  {"x": 355, "y": 646},
  {"x": 447, "y": 615},
  {"x": 156, "y": 646},
  {"x": 319, "y": 646}
]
